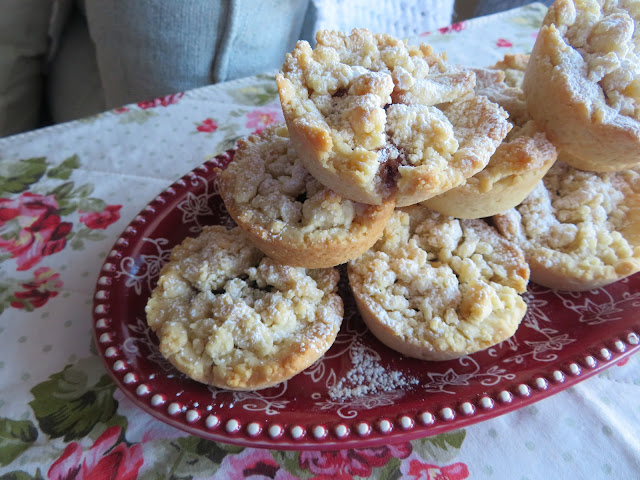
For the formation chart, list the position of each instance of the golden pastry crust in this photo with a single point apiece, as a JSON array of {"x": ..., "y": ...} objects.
[
  {"x": 519, "y": 162},
  {"x": 374, "y": 118},
  {"x": 436, "y": 288},
  {"x": 502, "y": 84},
  {"x": 228, "y": 316},
  {"x": 287, "y": 213},
  {"x": 579, "y": 230},
  {"x": 514, "y": 170},
  {"x": 582, "y": 84}
]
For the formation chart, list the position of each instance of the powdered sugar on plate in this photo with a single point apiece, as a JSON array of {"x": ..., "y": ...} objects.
[{"x": 367, "y": 376}]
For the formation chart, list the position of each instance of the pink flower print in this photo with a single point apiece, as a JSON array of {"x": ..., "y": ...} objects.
[
  {"x": 261, "y": 118},
  {"x": 120, "y": 110},
  {"x": 208, "y": 125},
  {"x": 504, "y": 43},
  {"x": 355, "y": 462},
  {"x": 161, "y": 101},
  {"x": 454, "y": 27},
  {"x": 45, "y": 285},
  {"x": 105, "y": 459},
  {"x": 30, "y": 228},
  {"x": 101, "y": 220},
  {"x": 413, "y": 468},
  {"x": 623, "y": 362},
  {"x": 337, "y": 476},
  {"x": 252, "y": 463}
]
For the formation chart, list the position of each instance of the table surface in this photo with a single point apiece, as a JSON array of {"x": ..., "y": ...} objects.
[{"x": 67, "y": 192}]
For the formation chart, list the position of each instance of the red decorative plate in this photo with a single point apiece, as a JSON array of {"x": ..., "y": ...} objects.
[{"x": 564, "y": 339}]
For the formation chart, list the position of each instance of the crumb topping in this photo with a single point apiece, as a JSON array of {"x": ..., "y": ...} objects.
[
  {"x": 443, "y": 281},
  {"x": 378, "y": 98},
  {"x": 223, "y": 310},
  {"x": 606, "y": 34},
  {"x": 514, "y": 67},
  {"x": 524, "y": 150},
  {"x": 502, "y": 84},
  {"x": 273, "y": 189},
  {"x": 576, "y": 221}
]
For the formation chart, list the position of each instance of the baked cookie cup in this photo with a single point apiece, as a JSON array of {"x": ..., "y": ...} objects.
[
  {"x": 519, "y": 162},
  {"x": 579, "y": 230},
  {"x": 582, "y": 83},
  {"x": 502, "y": 84},
  {"x": 228, "y": 316},
  {"x": 437, "y": 288},
  {"x": 287, "y": 213},
  {"x": 374, "y": 118}
]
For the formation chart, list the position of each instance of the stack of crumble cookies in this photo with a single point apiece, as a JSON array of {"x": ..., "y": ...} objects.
[{"x": 444, "y": 189}]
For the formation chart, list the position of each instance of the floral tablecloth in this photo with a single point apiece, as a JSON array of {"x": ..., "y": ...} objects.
[{"x": 66, "y": 193}]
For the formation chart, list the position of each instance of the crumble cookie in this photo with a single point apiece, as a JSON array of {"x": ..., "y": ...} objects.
[
  {"x": 582, "y": 83},
  {"x": 287, "y": 213},
  {"x": 579, "y": 230},
  {"x": 519, "y": 162},
  {"x": 228, "y": 316},
  {"x": 374, "y": 118},
  {"x": 502, "y": 84},
  {"x": 435, "y": 287}
]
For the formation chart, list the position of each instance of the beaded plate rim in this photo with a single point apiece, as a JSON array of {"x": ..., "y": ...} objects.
[{"x": 578, "y": 364}]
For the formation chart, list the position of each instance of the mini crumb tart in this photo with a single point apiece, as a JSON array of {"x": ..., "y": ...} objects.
[
  {"x": 579, "y": 230},
  {"x": 435, "y": 287},
  {"x": 374, "y": 118},
  {"x": 519, "y": 162},
  {"x": 582, "y": 83},
  {"x": 228, "y": 316},
  {"x": 287, "y": 213}
]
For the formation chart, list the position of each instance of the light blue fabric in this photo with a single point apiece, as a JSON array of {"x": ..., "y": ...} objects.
[
  {"x": 257, "y": 36},
  {"x": 73, "y": 87},
  {"x": 141, "y": 49},
  {"x": 487, "y": 7},
  {"x": 23, "y": 49},
  {"x": 149, "y": 48}
]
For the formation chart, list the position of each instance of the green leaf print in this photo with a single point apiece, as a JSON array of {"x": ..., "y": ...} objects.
[
  {"x": 15, "y": 437},
  {"x": 85, "y": 234},
  {"x": 91, "y": 205},
  {"x": 6, "y": 293},
  {"x": 76, "y": 244},
  {"x": 12, "y": 299},
  {"x": 70, "y": 404},
  {"x": 20, "y": 475},
  {"x": 445, "y": 440},
  {"x": 16, "y": 177},
  {"x": 391, "y": 471},
  {"x": 64, "y": 170},
  {"x": 215, "y": 452},
  {"x": 83, "y": 191},
  {"x": 136, "y": 116},
  {"x": 11, "y": 229},
  {"x": 227, "y": 143},
  {"x": 187, "y": 457},
  {"x": 441, "y": 448},
  {"x": 290, "y": 461},
  {"x": 256, "y": 95},
  {"x": 531, "y": 16},
  {"x": 62, "y": 191}
]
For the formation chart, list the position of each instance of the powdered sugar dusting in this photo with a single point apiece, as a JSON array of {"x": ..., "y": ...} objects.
[{"x": 367, "y": 376}]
